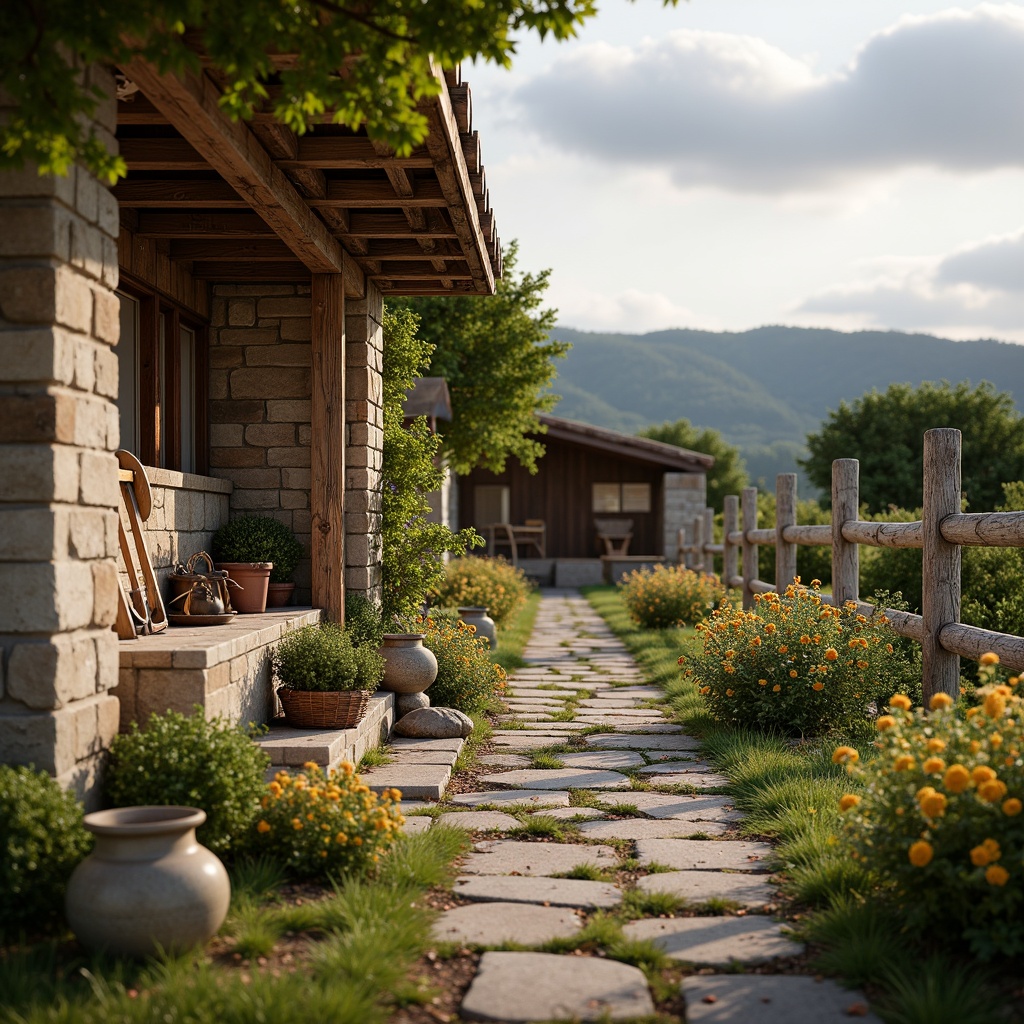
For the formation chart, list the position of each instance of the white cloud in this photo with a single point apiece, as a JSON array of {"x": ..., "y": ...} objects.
[
  {"x": 974, "y": 291},
  {"x": 631, "y": 311},
  {"x": 730, "y": 111}
]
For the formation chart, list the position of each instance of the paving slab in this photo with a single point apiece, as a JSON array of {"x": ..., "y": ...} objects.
[
  {"x": 716, "y": 941},
  {"x": 555, "y": 778},
  {"x": 640, "y": 692},
  {"x": 750, "y": 891},
  {"x": 771, "y": 999},
  {"x": 510, "y": 797},
  {"x": 646, "y": 722},
  {"x": 521, "y": 987},
  {"x": 414, "y": 780},
  {"x": 447, "y": 757},
  {"x": 556, "y": 727},
  {"x": 512, "y": 857},
  {"x": 526, "y": 740},
  {"x": 705, "y": 854},
  {"x": 497, "y": 924},
  {"x": 682, "y": 806},
  {"x": 695, "y": 780},
  {"x": 621, "y": 741},
  {"x": 613, "y": 759},
  {"x": 645, "y": 828},
  {"x": 569, "y": 813},
  {"x": 408, "y": 743},
  {"x": 651, "y": 730},
  {"x": 479, "y": 821},
  {"x": 411, "y": 806},
  {"x": 674, "y": 767},
  {"x": 608, "y": 704},
  {"x": 420, "y": 823},
  {"x": 505, "y": 760},
  {"x": 531, "y": 716},
  {"x": 609, "y": 710}
]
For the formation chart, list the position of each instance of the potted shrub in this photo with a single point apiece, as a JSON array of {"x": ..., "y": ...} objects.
[
  {"x": 326, "y": 681},
  {"x": 259, "y": 554}
]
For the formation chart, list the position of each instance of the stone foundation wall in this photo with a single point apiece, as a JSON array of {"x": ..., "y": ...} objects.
[
  {"x": 685, "y": 498},
  {"x": 59, "y": 323}
]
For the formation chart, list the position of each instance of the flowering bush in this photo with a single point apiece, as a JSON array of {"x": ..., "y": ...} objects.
[
  {"x": 491, "y": 582},
  {"x": 323, "y": 658},
  {"x": 938, "y": 816},
  {"x": 670, "y": 595},
  {"x": 316, "y": 825},
  {"x": 795, "y": 664},
  {"x": 467, "y": 679}
]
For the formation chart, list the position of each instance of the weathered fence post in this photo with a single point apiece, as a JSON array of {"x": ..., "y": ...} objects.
[
  {"x": 940, "y": 571},
  {"x": 709, "y": 538},
  {"x": 749, "y": 549},
  {"x": 845, "y": 507},
  {"x": 730, "y": 524},
  {"x": 785, "y": 515},
  {"x": 697, "y": 545},
  {"x": 682, "y": 558}
]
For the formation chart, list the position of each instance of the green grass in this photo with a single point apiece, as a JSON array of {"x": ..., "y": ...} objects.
[
  {"x": 545, "y": 761},
  {"x": 638, "y": 903},
  {"x": 512, "y": 641},
  {"x": 531, "y": 825},
  {"x": 589, "y": 873},
  {"x": 375, "y": 758}
]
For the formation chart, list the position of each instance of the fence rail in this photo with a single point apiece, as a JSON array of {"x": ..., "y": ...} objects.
[{"x": 940, "y": 534}]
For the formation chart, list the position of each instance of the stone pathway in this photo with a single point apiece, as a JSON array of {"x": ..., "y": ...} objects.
[{"x": 636, "y": 791}]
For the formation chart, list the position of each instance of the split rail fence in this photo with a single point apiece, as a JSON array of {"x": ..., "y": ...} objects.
[{"x": 940, "y": 534}]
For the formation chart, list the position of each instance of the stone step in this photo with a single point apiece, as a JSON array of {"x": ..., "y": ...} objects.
[
  {"x": 716, "y": 941},
  {"x": 418, "y": 781}
]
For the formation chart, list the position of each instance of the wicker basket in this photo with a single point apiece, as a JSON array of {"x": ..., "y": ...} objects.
[{"x": 324, "y": 710}]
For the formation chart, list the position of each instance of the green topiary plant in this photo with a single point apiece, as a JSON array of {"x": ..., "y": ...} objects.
[
  {"x": 178, "y": 759},
  {"x": 490, "y": 582},
  {"x": 41, "y": 841},
  {"x": 258, "y": 539},
  {"x": 363, "y": 621},
  {"x": 322, "y": 658}
]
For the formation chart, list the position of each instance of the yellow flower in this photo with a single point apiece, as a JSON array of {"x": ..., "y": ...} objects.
[
  {"x": 729, "y": 693},
  {"x": 989, "y": 658},
  {"x": 818, "y": 686},
  {"x": 936, "y": 745},
  {"x": 923, "y": 792},
  {"x": 862, "y": 664},
  {"x": 885, "y": 722},
  {"x": 783, "y": 649},
  {"x": 904, "y": 762},
  {"x": 996, "y": 740},
  {"x": 984, "y": 854},
  {"x": 997, "y": 875},
  {"x": 901, "y": 701},
  {"x": 296, "y": 824},
  {"x": 762, "y": 682},
  {"x": 934, "y": 805},
  {"x": 831, "y": 654},
  {"x": 1012, "y": 807},
  {"x": 995, "y": 705},
  {"x": 793, "y": 673},
  {"x": 939, "y": 701},
  {"x": 992, "y": 791},
  {"x": 934, "y": 765},
  {"x": 845, "y": 755},
  {"x": 264, "y": 826},
  {"x": 920, "y": 853},
  {"x": 848, "y": 800},
  {"x": 982, "y": 774},
  {"x": 776, "y": 688},
  {"x": 957, "y": 778}
]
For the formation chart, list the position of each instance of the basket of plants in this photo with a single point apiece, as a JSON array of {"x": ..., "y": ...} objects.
[{"x": 326, "y": 679}]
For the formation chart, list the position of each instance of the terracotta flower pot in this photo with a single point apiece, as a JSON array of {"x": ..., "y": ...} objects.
[
  {"x": 148, "y": 884},
  {"x": 279, "y": 594},
  {"x": 476, "y": 615},
  {"x": 409, "y": 667},
  {"x": 253, "y": 579}
]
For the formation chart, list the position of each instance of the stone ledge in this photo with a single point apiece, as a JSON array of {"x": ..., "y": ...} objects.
[{"x": 159, "y": 477}]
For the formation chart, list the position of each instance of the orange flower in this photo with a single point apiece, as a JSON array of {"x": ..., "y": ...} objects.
[
  {"x": 934, "y": 805},
  {"x": 885, "y": 722},
  {"x": 904, "y": 763},
  {"x": 776, "y": 688},
  {"x": 940, "y": 701},
  {"x": 818, "y": 686},
  {"x": 920, "y": 854},
  {"x": 936, "y": 745},
  {"x": 848, "y": 800},
  {"x": 845, "y": 755},
  {"x": 982, "y": 774},
  {"x": 901, "y": 701},
  {"x": 997, "y": 875},
  {"x": 957, "y": 778},
  {"x": 1012, "y": 807},
  {"x": 831, "y": 654},
  {"x": 992, "y": 791},
  {"x": 989, "y": 658}
]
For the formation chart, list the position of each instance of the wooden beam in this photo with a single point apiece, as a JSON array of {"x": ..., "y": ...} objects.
[
  {"x": 167, "y": 194},
  {"x": 203, "y": 225},
  {"x": 191, "y": 103},
  {"x": 383, "y": 225},
  {"x": 258, "y": 250},
  {"x": 354, "y": 152},
  {"x": 327, "y": 491},
  {"x": 162, "y": 155},
  {"x": 247, "y": 270}
]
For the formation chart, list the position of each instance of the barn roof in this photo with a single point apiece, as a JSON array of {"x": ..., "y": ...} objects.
[
  {"x": 428, "y": 397},
  {"x": 640, "y": 449}
]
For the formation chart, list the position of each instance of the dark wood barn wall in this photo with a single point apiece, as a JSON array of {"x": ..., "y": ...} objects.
[{"x": 560, "y": 494}]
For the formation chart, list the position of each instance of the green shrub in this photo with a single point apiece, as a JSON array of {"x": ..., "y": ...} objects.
[
  {"x": 186, "y": 760},
  {"x": 363, "y": 621},
  {"x": 670, "y": 595},
  {"x": 258, "y": 539},
  {"x": 466, "y": 677},
  {"x": 489, "y": 582},
  {"x": 938, "y": 816},
  {"x": 316, "y": 825},
  {"x": 41, "y": 841},
  {"x": 795, "y": 664},
  {"x": 322, "y": 658}
]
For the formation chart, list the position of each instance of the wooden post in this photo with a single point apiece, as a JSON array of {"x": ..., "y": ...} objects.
[
  {"x": 940, "y": 573},
  {"x": 327, "y": 484},
  {"x": 749, "y": 550},
  {"x": 785, "y": 515},
  {"x": 697, "y": 552},
  {"x": 845, "y": 508},
  {"x": 681, "y": 558},
  {"x": 730, "y": 524},
  {"x": 709, "y": 538}
]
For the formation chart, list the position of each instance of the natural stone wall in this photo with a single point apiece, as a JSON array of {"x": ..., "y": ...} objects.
[
  {"x": 59, "y": 323},
  {"x": 685, "y": 498}
]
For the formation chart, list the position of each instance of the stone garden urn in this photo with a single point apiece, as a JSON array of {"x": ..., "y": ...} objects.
[
  {"x": 148, "y": 885},
  {"x": 477, "y": 616},
  {"x": 409, "y": 667}
]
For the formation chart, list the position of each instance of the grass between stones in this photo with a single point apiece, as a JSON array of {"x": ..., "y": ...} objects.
[
  {"x": 789, "y": 793},
  {"x": 512, "y": 641},
  {"x": 375, "y": 758}
]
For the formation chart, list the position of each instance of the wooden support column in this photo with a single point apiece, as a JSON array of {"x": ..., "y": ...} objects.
[
  {"x": 845, "y": 509},
  {"x": 698, "y": 544},
  {"x": 327, "y": 491},
  {"x": 730, "y": 524},
  {"x": 785, "y": 515},
  {"x": 940, "y": 576},
  {"x": 749, "y": 550},
  {"x": 709, "y": 538}
]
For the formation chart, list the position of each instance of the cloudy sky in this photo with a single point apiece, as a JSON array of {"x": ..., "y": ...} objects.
[{"x": 730, "y": 163}]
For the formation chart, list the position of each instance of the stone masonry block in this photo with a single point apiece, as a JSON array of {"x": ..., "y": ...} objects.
[
  {"x": 73, "y": 303},
  {"x": 45, "y": 675},
  {"x": 27, "y": 183},
  {"x": 38, "y": 472},
  {"x": 247, "y": 336},
  {"x": 285, "y": 307},
  {"x": 289, "y": 411},
  {"x": 294, "y": 499},
  {"x": 43, "y": 354},
  {"x": 254, "y": 501},
  {"x": 107, "y": 660},
  {"x": 270, "y": 382},
  {"x": 236, "y": 412},
  {"x": 227, "y": 435},
  {"x": 34, "y": 229},
  {"x": 226, "y": 358},
  {"x": 242, "y": 312},
  {"x": 99, "y": 479},
  {"x": 270, "y": 434},
  {"x": 50, "y": 596},
  {"x": 89, "y": 532},
  {"x": 87, "y": 249},
  {"x": 105, "y": 584},
  {"x": 296, "y": 329},
  {"x": 279, "y": 355},
  {"x": 33, "y": 534},
  {"x": 305, "y": 434},
  {"x": 105, "y": 371},
  {"x": 33, "y": 738},
  {"x": 222, "y": 458},
  {"x": 161, "y": 690},
  {"x": 294, "y": 456},
  {"x": 28, "y": 295},
  {"x": 249, "y": 478},
  {"x": 106, "y": 316},
  {"x": 296, "y": 479}
]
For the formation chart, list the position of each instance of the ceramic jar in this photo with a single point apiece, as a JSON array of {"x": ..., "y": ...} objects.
[
  {"x": 409, "y": 667},
  {"x": 148, "y": 884},
  {"x": 476, "y": 615},
  {"x": 253, "y": 579}
]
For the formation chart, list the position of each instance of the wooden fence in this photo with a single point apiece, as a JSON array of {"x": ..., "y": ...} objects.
[{"x": 940, "y": 534}]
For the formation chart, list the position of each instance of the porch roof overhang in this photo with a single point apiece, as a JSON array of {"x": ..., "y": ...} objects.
[
  {"x": 251, "y": 201},
  {"x": 639, "y": 449}
]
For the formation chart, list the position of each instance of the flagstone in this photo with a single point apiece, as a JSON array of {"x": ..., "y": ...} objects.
[
  {"x": 750, "y": 891},
  {"x": 716, "y": 941},
  {"x": 683, "y": 806},
  {"x": 645, "y": 828},
  {"x": 496, "y": 924},
  {"x": 569, "y": 813},
  {"x": 505, "y": 760},
  {"x": 673, "y": 767},
  {"x": 771, "y": 999},
  {"x": 618, "y": 741},
  {"x": 696, "y": 780},
  {"x": 512, "y": 857},
  {"x": 602, "y": 759},
  {"x": 412, "y": 826},
  {"x": 511, "y": 797},
  {"x": 705, "y": 855},
  {"x": 556, "y": 778},
  {"x": 479, "y": 821}
]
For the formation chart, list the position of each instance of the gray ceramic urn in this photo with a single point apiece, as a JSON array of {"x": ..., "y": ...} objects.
[{"x": 409, "y": 667}]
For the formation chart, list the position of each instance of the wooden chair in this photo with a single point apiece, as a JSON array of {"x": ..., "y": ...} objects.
[
  {"x": 533, "y": 533},
  {"x": 615, "y": 534}
]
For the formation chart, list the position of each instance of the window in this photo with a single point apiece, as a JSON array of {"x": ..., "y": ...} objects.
[
  {"x": 621, "y": 498},
  {"x": 491, "y": 503},
  {"x": 162, "y": 391}
]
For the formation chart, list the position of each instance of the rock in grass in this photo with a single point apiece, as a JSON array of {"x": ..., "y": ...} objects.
[{"x": 435, "y": 723}]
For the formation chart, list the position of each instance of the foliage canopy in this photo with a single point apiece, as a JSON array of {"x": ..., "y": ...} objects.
[
  {"x": 885, "y": 431},
  {"x": 496, "y": 356}
]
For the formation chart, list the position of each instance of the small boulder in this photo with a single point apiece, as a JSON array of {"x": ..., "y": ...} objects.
[
  {"x": 406, "y": 703},
  {"x": 435, "y": 723}
]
